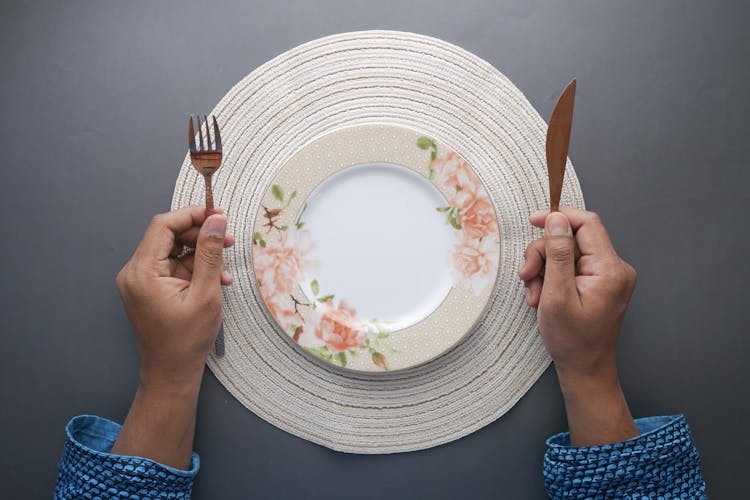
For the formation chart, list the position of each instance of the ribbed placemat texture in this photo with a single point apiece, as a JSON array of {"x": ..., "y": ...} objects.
[{"x": 419, "y": 82}]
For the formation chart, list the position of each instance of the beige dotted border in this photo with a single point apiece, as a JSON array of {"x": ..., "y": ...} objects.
[{"x": 421, "y": 83}]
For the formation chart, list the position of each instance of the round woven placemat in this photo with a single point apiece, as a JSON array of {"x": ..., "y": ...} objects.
[{"x": 422, "y": 83}]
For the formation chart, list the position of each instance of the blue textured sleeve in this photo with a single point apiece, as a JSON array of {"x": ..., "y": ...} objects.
[
  {"x": 89, "y": 470},
  {"x": 662, "y": 462}
]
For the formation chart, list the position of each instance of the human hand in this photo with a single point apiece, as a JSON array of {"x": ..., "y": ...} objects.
[
  {"x": 581, "y": 303},
  {"x": 173, "y": 302}
]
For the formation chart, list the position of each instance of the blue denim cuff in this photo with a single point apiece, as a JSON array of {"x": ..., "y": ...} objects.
[
  {"x": 661, "y": 461},
  {"x": 89, "y": 470}
]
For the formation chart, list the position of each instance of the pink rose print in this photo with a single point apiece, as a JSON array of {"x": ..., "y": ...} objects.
[
  {"x": 451, "y": 170},
  {"x": 280, "y": 265},
  {"x": 340, "y": 328},
  {"x": 478, "y": 219},
  {"x": 285, "y": 315},
  {"x": 471, "y": 213},
  {"x": 474, "y": 263}
]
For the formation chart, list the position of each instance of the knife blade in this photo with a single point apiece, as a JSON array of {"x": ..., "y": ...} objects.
[{"x": 558, "y": 139}]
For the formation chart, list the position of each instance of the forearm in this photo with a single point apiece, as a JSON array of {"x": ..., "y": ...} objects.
[
  {"x": 596, "y": 407},
  {"x": 161, "y": 422}
]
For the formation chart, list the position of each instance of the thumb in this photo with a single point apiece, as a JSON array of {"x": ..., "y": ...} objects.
[
  {"x": 559, "y": 246},
  {"x": 209, "y": 261}
]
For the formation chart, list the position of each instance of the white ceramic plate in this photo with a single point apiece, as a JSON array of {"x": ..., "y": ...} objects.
[{"x": 376, "y": 247}]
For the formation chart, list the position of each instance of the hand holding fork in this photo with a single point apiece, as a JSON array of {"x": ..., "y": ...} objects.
[{"x": 206, "y": 159}]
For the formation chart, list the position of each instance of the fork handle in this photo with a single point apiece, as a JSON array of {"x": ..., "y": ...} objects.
[
  {"x": 219, "y": 341},
  {"x": 209, "y": 193}
]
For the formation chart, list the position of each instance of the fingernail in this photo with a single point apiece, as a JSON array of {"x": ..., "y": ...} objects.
[
  {"x": 557, "y": 224},
  {"x": 216, "y": 226},
  {"x": 226, "y": 276},
  {"x": 527, "y": 292}
]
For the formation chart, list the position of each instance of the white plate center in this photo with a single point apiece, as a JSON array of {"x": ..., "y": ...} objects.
[{"x": 382, "y": 246}]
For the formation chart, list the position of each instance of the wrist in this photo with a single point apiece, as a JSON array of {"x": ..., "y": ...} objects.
[
  {"x": 575, "y": 382},
  {"x": 161, "y": 422},
  {"x": 169, "y": 383},
  {"x": 596, "y": 407}
]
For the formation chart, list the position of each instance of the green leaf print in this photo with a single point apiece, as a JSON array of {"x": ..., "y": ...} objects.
[
  {"x": 341, "y": 358},
  {"x": 424, "y": 143},
  {"x": 299, "y": 224},
  {"x": 453, "y": 219},
  {"x": 314, "y": 287},
  {"x": 277, "y": 192},
  {"x": 320, "y": 352},
  {"x": 291, "y": 197},
  {"x": 258, "y": 238},
  {"x": 326, "y": 298}
]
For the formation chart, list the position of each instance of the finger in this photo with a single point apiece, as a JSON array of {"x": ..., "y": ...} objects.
[
  {"x": 590, "y": 234},
  {"x": 186, "y": 263},
  {"x": 533, "y": 264},
  {"x": 587, "y": 266},
  {"x": 534, "y": 291},
  {"x": 177, "y": 249},
  {"x": 559, "y": 275},
  {"x": 190, "y": 238},
  {"x": 160, "y": 237},
  {"x": 226, "y": 278},
  {"x": 534, "y": 261},
  {"x": 178, "y": 269},
  {"x": 576, "y": 217},
  {"x": 208, "y": 262}
]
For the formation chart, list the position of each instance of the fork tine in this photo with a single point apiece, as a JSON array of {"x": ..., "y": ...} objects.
[
  {"x": 200, "y": 132},
  {"x": 217, "y": 135},
  {"x": 191, "y": 135},
  {"x": 208, "y": 133}
]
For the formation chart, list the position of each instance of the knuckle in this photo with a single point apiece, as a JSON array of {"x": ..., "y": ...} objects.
[
  {"x": 560, "y": 253},
  {"x": 158, "y": 220},
  {"x": 126, "y": 281},
  {"x": 595, "y": 218},
  {"x": 530, "y": 249},
  {"x": 619, "y": 276},
  {"x": 631, "y": 275},
  {"x": 120, "y": 279},
  {"x": 613, "y": 275},
  {"x": 130, "y": 282},
  {"x": 209, "y": 257}
]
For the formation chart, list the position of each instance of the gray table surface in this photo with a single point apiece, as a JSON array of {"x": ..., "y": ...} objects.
[{"x": 94, "y": 97}]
